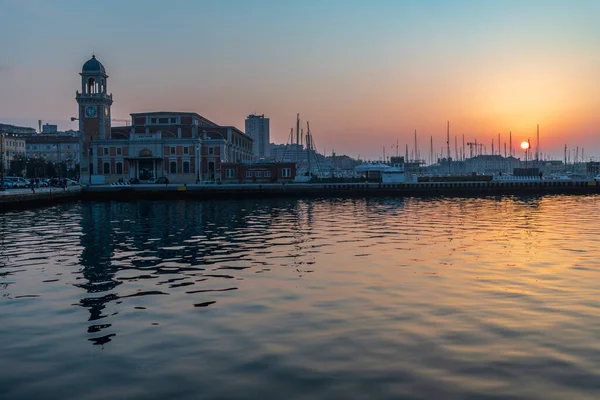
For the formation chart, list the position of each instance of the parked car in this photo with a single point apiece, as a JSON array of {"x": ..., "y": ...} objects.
[
  {"x": 134, "y": 181},
  {"x": 8, "y": 184},
  {"x": 163, "y": 179},
  {"x": 16, "y": 181}
]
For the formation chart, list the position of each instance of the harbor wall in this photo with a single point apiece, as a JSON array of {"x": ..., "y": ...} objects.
[
  {"x": 23, "y": 200},
  {"x": 458, "y": 189}
]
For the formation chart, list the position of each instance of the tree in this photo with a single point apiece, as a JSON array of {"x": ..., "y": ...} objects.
[{"x": 17, "y": 166}]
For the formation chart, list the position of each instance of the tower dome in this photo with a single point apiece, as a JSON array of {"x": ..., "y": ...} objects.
[{"x": 93, "y": 66}]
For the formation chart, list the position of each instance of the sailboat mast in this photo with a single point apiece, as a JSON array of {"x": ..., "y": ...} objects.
[
  {"x": 308, "y": 145},
  {"x": 448, "y": 144},
  {"x": 297, "y": 137}
]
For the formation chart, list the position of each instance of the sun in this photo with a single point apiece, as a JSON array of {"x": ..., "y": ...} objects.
[{"x": 524, "y": 145}]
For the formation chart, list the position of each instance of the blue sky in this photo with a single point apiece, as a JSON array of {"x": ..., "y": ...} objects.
[{"x": 363, "y": 73}]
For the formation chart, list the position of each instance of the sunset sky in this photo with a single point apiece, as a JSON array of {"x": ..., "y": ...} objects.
[{"x": 364, "y": 73}]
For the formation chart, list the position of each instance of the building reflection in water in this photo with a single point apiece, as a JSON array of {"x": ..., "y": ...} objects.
[{"x": 127, "y": 242}]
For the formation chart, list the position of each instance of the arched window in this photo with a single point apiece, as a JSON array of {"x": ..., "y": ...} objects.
[
  {"x": 119, "y": 168},
  {"x": 173, "y": 167},
  {"x": 186, "y": 167},
  {"x": 106, "y": 168},
  {"x": 91, "y": 86}
]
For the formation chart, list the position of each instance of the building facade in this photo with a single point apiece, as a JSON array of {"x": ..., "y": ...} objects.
[
  {"x": 11, "y": 147},
  {"x": 257, "y": 127},
  {"x": 55, "y": 148},
  {"x": 48, "y": 128},
  {"x": 259, "y": 172},
  {"x": 181, "y": 146},
  {"x": 491, "y": 164}
]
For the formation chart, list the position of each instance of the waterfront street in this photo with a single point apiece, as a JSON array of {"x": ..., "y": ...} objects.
[{"x": 48, "y": 190}]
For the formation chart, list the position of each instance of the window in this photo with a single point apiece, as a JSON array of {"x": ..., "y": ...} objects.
[
  {"x": 163, "y": 120},
  {"x": 106, "y": 151},
  {"x": 186, "y": 167},
  {"x": 229, "y": 173},
  {"x": 47, "y": 147},
  {"x": 173, "y": 120},
  {"x": 153, "y": 120},
  {"x": 119, "y": 168},
  {"x": 172, "y": 149},
  {"x": 267, "y": 174},
  {"x": 173, "y": 167},
  {"x": 119, "y": 151},
  {"x": 35, "y": 147},
  {"x": 68, "y": 147},
  {"x": 91, "y": 151},
  {"x": 258, "y": 174},
  {"x": 186, "y": 150},
  {"x": 106, "y": 168},
  {"x": 211, "y": 150},
  {"x": 286, "y": 172},
  {"x": 248, "y": 174}
]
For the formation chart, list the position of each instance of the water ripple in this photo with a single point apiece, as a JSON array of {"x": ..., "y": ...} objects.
[{"x": 324, "y": 299}]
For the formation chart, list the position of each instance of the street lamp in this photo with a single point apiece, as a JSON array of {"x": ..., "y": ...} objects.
[
  {"x": 198, "y": 164},
  {"x": 1, "y": 161}
]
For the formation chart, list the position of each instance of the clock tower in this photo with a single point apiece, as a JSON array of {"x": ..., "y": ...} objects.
[{"x": 94, "y": 115}]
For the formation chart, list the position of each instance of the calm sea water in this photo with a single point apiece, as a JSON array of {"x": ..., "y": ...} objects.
[{"x": 494, "y": 298}]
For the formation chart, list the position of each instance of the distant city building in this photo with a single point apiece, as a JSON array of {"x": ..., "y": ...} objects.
[
  {"x": 17, "y": 130},
  {"x": 257, "y": 127},
  {"x": 181, "y": 146},
  {"x": 55, "y": 148},
  {"x": 11, "y": 147},
  {"x": 47, "y": 128},
  {"x": 259, "y": 172},
  {"x": 491, "y": 164}
]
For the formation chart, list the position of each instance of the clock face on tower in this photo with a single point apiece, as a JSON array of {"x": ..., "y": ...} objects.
[{"x": 90, "y": 111}]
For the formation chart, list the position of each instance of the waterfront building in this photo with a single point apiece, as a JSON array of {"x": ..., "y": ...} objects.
[
  {"x": 181, "y": 146},
  {"x": 259, "y": 172},
  {"x": 257, "y": 127},
  {"x": 11, "y": 147},
  {"x": 47, "y": 128},
  {"x": 94, "y": 115},
  {"x": 55, "y": 148}
]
